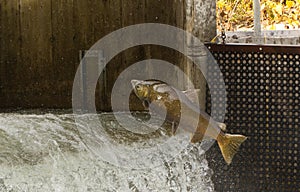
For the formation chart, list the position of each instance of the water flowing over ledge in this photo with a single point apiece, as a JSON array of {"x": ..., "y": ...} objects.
[{"x": 45, "y": 152}]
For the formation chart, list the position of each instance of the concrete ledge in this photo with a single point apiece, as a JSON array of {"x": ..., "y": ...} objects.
[{"x": 287, "y": 37}]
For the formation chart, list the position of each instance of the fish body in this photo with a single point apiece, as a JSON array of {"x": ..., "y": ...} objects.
[{"x": 182, "y": 109}]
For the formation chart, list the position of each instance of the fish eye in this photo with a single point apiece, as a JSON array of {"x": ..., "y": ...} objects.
[{"x": 139, "y": 87}]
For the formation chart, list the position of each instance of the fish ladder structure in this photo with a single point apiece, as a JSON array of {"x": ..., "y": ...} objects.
[{"x": 263, "y": 103}]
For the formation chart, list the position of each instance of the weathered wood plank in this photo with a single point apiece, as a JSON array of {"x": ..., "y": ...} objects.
[
  {"x": 168, "y": 12},
  {"x": 112, "y": 20},
  {"x": 133, "y": 12},
  {"x": 9, "y": 48},
  {"x": 35, "y": 84},
  {"x": 64, "y": 49}
]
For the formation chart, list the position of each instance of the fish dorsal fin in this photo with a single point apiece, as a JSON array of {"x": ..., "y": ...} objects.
[
  {"x": 222, "y": 126},
  {"x": 192, "y": 94}
]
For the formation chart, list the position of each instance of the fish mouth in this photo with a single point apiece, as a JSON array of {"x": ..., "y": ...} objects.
[{"x": 135, "y": 82}]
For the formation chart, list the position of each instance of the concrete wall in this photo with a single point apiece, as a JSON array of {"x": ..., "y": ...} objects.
[
  {"x": 201, "y": 22},
  {"x": 40, "y": 42}
]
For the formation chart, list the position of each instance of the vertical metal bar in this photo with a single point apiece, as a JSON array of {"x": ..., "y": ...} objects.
[
  {"x": 83, "y": 78},
  {"x": 257, "y": 23},
  {"x": 87, "y": 65},
  {"x": 101, "y": 80}
]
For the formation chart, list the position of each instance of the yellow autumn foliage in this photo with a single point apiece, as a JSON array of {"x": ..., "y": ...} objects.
[{"x": 235, "y": 15}]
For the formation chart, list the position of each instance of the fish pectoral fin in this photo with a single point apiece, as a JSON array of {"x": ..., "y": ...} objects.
[
  {"x": 146, "y": 104},
  {"x": 222, "y": 126},
  {"x": 174, "y": 127}
]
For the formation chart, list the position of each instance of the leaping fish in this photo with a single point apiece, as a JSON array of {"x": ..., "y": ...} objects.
[{"x": 165, "y": 97}]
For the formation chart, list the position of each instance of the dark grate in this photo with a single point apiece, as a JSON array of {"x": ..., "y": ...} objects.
[{"x": 263, "y": 95}]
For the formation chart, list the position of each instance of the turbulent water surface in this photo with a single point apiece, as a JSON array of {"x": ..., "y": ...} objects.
[{"x": 53, "y": 152}]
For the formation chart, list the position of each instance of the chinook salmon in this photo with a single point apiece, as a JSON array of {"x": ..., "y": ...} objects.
[{"x": 163, "y": 97}]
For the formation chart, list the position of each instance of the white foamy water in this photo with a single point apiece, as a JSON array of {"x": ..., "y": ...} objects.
[{"x": 48, "y": 152}]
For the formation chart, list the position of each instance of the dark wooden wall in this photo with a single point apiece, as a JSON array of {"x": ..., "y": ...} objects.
[{"x": 40, "y": 42}]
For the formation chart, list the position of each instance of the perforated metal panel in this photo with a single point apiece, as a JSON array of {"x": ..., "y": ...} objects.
[{"x": 263, "y": 103}]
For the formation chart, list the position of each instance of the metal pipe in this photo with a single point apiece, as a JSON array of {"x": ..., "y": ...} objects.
[{"x": 257, "y": 23}]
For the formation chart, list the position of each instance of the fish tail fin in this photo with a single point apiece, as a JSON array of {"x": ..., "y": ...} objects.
[{"x": 229, "y": 145}]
